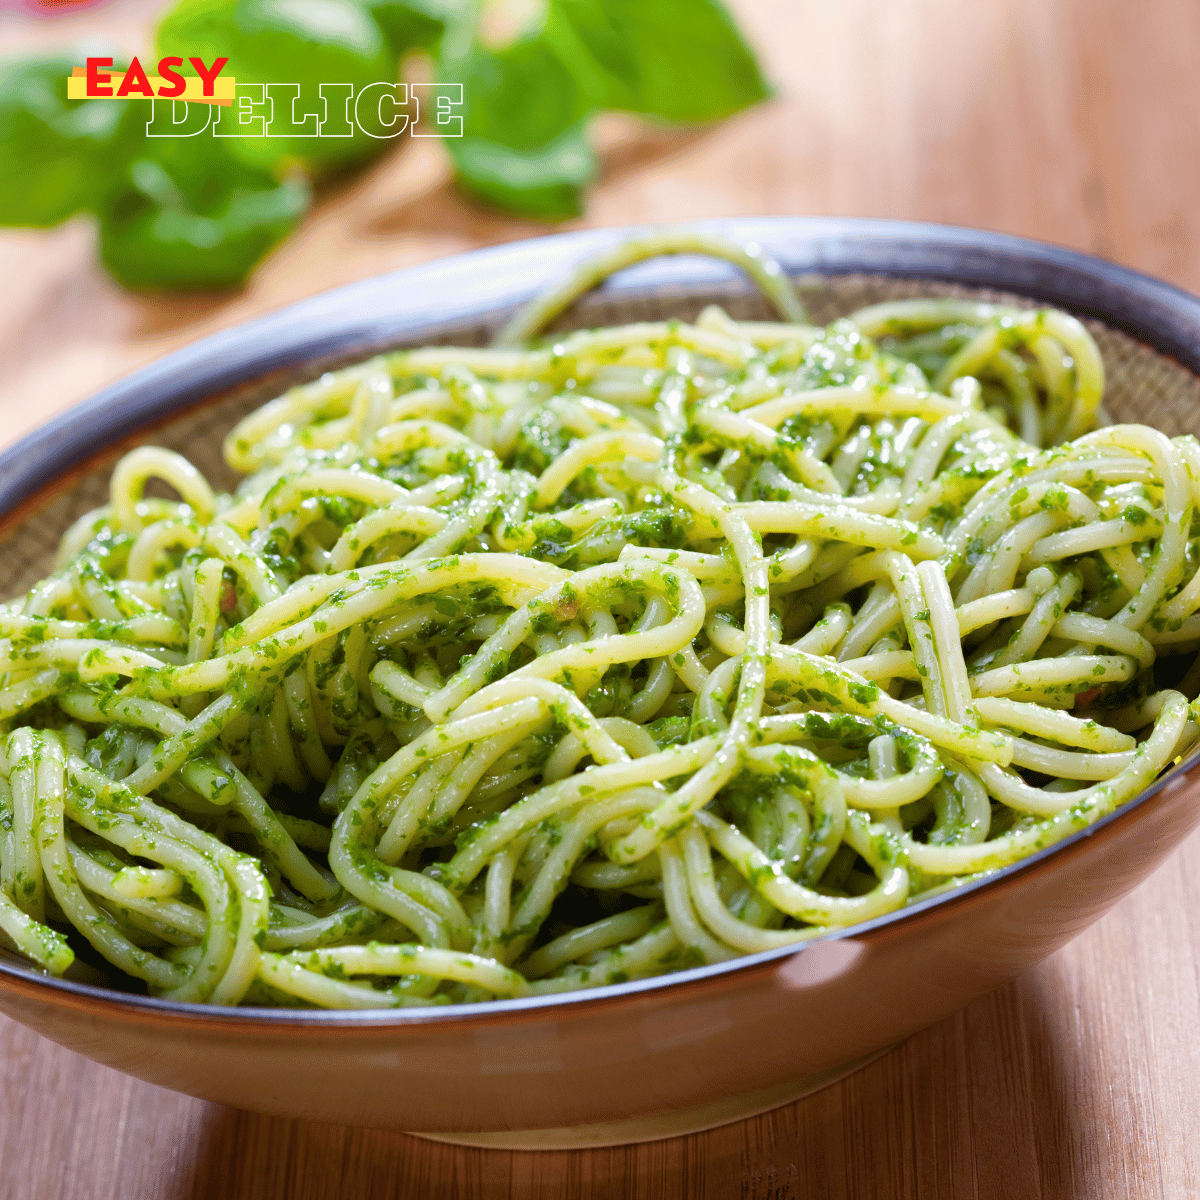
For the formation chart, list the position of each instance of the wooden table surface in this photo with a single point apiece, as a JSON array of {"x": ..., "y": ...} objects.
[{"x": 1074, "y": 122}]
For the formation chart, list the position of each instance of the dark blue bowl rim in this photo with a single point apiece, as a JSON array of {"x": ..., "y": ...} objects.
[{"x": 420, "y": 302}]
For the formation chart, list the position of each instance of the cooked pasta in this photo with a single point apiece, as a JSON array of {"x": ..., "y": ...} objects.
[{"x": 595, "y": 655}]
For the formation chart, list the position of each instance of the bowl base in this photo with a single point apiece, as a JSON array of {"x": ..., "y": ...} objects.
[{"x": 653, "y": 1127}]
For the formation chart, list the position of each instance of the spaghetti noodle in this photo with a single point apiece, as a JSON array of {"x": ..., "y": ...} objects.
[{"x": 571, "y": 661}]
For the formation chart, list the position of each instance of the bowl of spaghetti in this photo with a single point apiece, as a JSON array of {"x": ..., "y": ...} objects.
[{"x": 601, "y": 687}]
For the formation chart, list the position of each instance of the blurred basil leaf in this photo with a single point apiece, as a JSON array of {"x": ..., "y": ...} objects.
[
  {"x": 682, "y": 60},
  {"x": 412, "y": 24},
  {"x": 184, "y": 213},
  {"x": 546, "y": 182},
  {"x": 51, "y": 149},
  {"x": 523, "y": 145},
  {"x": 304, "y": 42}
]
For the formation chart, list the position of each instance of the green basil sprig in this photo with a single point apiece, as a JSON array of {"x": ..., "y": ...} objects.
[
  {"x": 681, "y": 60},
  {"x": 52, "y": 150},
  {"x": 187, "y": 212}
]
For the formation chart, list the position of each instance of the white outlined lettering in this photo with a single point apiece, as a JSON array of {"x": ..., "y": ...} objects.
[
  {"x": 370, "y": 118},
  {"x": 165, "y": 120},
  {"x": 233, "y": 119},
  {"x": 283, "y": 113},
  {"x": 439, "y": 100},
  {"x": 336, "y": 120},
  {"x": 379, "y": 110}
]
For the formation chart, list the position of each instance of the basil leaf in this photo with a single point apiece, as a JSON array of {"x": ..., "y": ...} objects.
[
  {"x": 51, "y": 149},
  {"x": 185, "y": 213},
  {"x": 300, "y": 42},
  {"x": 546, "y": 182},
  {"x": 523, "y": 145},
  {"x": 408, "y": 24},
  {"x": 683, "y": 60}
]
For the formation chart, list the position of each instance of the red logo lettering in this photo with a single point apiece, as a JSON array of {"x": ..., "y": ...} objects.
[
  {"x": 166, "y": 71},
  {"x": 96, "y": 78},
  {"x": 208, "y": 74}
]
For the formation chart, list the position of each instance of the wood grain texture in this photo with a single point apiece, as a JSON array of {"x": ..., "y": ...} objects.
[{"x": 1073, "y": 122}]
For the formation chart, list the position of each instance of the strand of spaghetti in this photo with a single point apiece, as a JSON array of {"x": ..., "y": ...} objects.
[
  {"x": 800, "y": 902},
  {"x": 822, "y": 682},
  {"x": 672, "y": 815},
  {"x": 590, "y": 939},
  {"x": 478, "y": 847},
  {"x": 563, "y": 601},
  {"x": 360, "y": 600},
  {"x": 764, "y": 270},
  {"x": 376, "y": 958},
  {"x": 1049, "y": 723},
  {"x": 534, "y": 901},
  {"x": 129, "y": 481},
  {"x": 852, "y": 528},
  {"x": 848, "y": 400},
  {"x": 1081, "y": 810},
  {"x": 739, "y": 429},
  {"x": 398, "y": 517},
  {"x": 230, "y": 885},
  {"x": 173, "y": 920},
  {"x": 741, "y": 935}
]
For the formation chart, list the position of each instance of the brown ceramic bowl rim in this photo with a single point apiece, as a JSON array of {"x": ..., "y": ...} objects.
[{"x": 395, "y": 308}]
